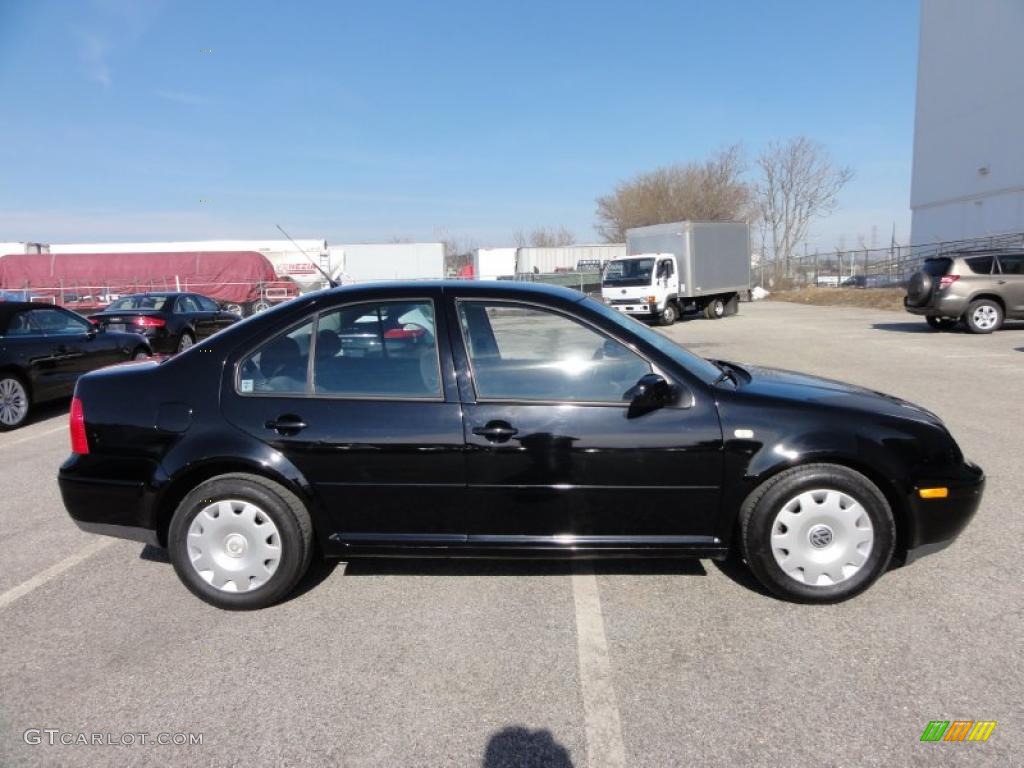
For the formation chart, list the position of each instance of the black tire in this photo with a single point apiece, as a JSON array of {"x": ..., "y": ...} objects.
[
  {"x": 984, "y": 316},
  {"x": 732, "y": 306},
  {"x": 941, "y": 323},
  {"x": 16, "y": 404},
  {"x": 669, "y": 314},
  {"x": 185, "y": 341},
  {"x": 919, "y": 289},
  {"x": 715, "y": 309},
  {"x": 285, "y": 510},
  {"x": 758, "y": 520}
]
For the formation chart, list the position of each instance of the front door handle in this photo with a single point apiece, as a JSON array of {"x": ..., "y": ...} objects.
[
  {"x": 496, "y": 431},
  {"x": 288, "y": 424}
]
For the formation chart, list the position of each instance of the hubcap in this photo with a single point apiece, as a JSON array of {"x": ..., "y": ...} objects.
[
  {"x": 985, "y": 316},
  {"x": 234, "y": 545},
  {"x": 185, "y": 343},
  {"x": 13, "y": 402},
  {"x": 822, "y": 537}
]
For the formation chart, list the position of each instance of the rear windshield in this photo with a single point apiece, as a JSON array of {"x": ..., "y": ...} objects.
[
  {"x": 138, "y": 302},
  {"x": 937, "y": 267}
]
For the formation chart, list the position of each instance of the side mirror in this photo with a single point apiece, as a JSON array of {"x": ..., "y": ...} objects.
[{"x": 649, "y": 394}]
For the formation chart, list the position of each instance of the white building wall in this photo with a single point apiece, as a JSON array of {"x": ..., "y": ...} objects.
[{"x": 968, "y": 173}]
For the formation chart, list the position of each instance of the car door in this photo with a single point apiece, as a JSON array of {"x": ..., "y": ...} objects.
[
  {"x": 26, "y": 346},
  {"x": 78, "y": 347},
  {"x": 377, "y": 433},
  {"x": 187, "y": 312},
  {"x": 1012, "y": 283},
  {"x": 218, "y": 318},
  {"x": 554, "y": 454}
]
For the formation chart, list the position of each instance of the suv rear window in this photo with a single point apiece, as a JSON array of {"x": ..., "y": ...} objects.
[
  {"x": 981, "y": 265},
  {"x": 937, "y": 267}
]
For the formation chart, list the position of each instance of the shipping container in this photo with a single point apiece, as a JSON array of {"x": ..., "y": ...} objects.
[
  {"x": 565, "y": 258},
  {"x": 494, "y": 263},
  {"x": 363, "y": 262}
]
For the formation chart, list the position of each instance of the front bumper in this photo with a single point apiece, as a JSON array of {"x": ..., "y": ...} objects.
[
  {"x": 933, "y": 524},
  {"x": 636, "y": 309}
]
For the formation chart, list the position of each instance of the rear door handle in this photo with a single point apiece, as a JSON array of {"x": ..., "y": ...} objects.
[
  {"x": 288, "y": 424},
  {"x": 496, "y": 431}
]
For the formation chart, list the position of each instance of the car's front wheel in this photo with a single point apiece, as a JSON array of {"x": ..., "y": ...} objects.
[
  {"x": 14, "y": 402},
  {"x": 820, "y": 533},
  {"x": 240, "y": 541}
]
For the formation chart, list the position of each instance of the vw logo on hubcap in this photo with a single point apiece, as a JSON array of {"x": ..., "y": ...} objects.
[{"x": 820, "y": 536}]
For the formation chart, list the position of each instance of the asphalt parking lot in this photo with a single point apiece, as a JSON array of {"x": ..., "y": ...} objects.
[{"x": 389, "y": 663}]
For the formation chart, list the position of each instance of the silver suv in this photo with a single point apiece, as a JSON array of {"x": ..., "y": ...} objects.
[{"x": 980, "y": 288}]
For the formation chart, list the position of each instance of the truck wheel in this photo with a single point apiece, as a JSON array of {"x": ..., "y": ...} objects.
[
  {"x": 716, "y": 309},
  {"x": 984, "y": 316},
  {"x": 669, "y": 314},
  {"x": 260, "y": 306}
]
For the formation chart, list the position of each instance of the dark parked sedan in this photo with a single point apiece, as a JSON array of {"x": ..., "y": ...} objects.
[
  {"x": 529, "y": 421},
  {"x": 43, "y": 351},
  {"x": 172, "y": 322}
]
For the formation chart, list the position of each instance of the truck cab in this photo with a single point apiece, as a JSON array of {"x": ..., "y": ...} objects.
[{"x": 645, "y": 285}]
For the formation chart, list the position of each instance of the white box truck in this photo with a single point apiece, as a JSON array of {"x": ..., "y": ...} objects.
[
  {"x": 494, "y": 263},
  {"x": 365, "y": 262},
  {"x": 674, "y": 268}
]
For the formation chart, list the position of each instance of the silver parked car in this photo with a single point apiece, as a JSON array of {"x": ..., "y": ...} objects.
[{"x": 980, "y": 288}]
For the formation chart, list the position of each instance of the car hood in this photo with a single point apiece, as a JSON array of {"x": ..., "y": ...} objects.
[{"x": 790, "y": 385}]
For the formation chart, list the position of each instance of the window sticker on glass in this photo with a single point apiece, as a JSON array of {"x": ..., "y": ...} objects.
[{"x": 246, "y": 385}]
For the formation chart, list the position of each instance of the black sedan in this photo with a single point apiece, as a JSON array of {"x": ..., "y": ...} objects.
[
  {"x": 43, "y": 351},
  {"x": 172, "y": 322},
  {"x": 529, "y": 421}
]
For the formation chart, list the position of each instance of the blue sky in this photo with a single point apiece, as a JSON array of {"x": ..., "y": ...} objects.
[{"x": 373, "y": 120}]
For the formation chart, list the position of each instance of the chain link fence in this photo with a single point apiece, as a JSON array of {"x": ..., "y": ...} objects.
[{"x": 868, "y": 267}]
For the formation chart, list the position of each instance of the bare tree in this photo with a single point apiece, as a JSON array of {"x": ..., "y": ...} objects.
[
  {"x": 799, "y": 183},
  {"x": 458, "y": 251},
  {"x": 544, "y": 237},
  {"x": 712, "y": 190}
]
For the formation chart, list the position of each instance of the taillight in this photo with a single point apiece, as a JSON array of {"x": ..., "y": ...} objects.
[
  {"x": 79, "y": 442},
  {"x": 94, "y": 320},
  {"x": 149, "y": 322},
  {"x": 404, "y": 333},
  {"x": 947, "y": 280}
]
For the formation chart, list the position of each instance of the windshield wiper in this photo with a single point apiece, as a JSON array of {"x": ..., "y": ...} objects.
[{"x": 728, "y": 374}]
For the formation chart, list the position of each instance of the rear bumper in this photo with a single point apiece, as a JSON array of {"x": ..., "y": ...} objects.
[
  {"x": 112, "y": 507},
  {"x": 935, "y": 523},
  {"x": 949, "y": 305}
]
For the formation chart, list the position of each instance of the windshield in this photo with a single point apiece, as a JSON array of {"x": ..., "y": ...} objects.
[
  {"x": 629, "y": 272},
  {"x": 137, "y": 302},
  {"x": 703, "y": 369}
]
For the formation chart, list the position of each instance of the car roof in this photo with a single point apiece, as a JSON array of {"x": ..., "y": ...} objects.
[
  {"x": 492, "y": 288},
  {"x": 10, "y": 308}
]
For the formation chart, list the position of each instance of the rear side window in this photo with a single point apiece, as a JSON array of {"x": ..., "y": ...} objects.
[
  {"x": 937, "y": 267},
  {"x": 981, "y": 265},
  {"x": 22, "y": 324},
  {"x": 1012, "y": 265},
  {"x": 387, "y": 349},
  {"x": 280, "y": 366}
]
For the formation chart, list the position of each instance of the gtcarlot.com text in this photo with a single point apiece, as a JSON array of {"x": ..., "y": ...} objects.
[{"x": 55, "y": 737}]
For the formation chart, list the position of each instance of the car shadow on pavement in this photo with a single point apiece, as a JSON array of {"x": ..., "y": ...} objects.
[
  {"x": 921, "y": 327},
  {"x": 519, "y": 747},
  {"x": 320, "y": 569},
  {"x": 385, "y": 566}
]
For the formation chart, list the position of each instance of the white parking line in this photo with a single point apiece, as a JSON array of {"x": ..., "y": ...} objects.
[
  {"x": 600, "y": 708},
  {"x": 33, "y": 436},
  {"x": 54, "y": 571}
]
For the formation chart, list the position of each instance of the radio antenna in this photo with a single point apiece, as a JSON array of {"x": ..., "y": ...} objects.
[{"x": 319, "y": 269}]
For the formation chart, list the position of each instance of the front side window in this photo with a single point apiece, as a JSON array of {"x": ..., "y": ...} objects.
[
  {"x": 185, "y": 305},
  {"x": 527, "y": 353},
  {"x": 56, "y": 322},
  {"x": 387, "y": 349},
  {"x": 206, "y": 304},
  {"x": 280, "y": 366},
  {"x": 1012, "y": 265}
]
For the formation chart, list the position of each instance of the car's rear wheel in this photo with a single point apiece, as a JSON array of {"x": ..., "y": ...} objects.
[
  {"x": 186, "y": 341},
  {"x": 14, "y": 402},
  {"x": 241, "y": 541},
  {"x": 984, "y": 316},
  {"x": 820, "y": 533},
  {"x": 941, "y": 323}
]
